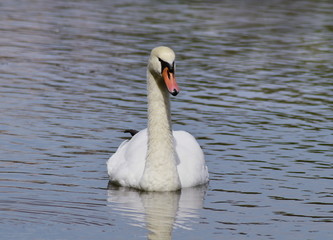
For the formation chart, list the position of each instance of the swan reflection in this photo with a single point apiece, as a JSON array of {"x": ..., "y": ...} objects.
[{"x": 159, "y": 212}]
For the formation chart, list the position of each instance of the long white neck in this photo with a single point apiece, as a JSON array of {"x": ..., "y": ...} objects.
[{"x": 160, "y": 173}]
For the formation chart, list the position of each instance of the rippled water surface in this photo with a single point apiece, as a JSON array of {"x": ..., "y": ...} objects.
[{"x": 256, "y": 82}]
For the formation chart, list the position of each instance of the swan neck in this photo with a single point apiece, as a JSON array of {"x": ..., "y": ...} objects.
[
  {"x": 159, "y": 116},
  {"x": 160, "y": 172}
]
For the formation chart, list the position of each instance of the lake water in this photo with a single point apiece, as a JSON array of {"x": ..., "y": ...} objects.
[{"x": 256, "y": 82}]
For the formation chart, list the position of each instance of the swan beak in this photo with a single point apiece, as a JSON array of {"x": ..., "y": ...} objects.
[{"x": 170, "y": 81}]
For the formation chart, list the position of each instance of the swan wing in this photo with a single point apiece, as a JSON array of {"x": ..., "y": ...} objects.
[
  {"x": 191, "y": 164},
  {"x": 126, "y": 165}
]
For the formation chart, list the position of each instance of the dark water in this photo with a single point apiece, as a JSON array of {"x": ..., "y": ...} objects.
[{"x": 257, "y": 92}]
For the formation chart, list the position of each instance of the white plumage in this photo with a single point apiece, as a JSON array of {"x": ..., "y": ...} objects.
[{"x": 157, "y": 158}]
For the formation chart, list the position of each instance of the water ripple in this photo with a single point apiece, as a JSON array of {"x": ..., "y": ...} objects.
[{"x": 256, "y": 91}]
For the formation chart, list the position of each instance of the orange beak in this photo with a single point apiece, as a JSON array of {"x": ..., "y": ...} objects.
[{"x": 170, "y": 81}]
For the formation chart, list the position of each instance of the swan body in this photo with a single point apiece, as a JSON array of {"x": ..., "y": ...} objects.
[{"x": 157, "y": 158}]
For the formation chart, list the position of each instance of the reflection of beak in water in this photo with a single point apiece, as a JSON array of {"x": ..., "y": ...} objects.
[{"x": 159, "y": 210}]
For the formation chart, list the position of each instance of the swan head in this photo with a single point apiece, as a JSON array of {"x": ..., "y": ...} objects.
[{"x": 162, "y": 66}]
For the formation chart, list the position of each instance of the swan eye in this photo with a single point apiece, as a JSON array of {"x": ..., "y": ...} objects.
[{"x": 165, "y": 64}]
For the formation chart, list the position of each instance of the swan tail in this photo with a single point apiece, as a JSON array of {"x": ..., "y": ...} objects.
[{"x": 131, "y": 131}]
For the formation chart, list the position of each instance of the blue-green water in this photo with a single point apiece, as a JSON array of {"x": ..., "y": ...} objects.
[{"x": 256, "y": 82}]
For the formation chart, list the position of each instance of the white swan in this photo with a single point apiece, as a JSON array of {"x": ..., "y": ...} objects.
[{"x": 157, "y": 158}]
